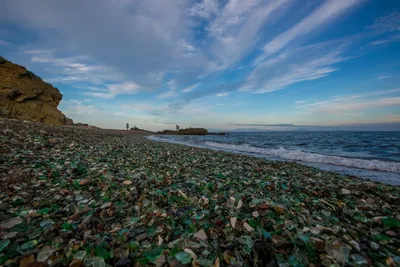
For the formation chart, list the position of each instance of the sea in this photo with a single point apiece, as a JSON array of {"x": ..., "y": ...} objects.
[{"x": 370, "y": 155}]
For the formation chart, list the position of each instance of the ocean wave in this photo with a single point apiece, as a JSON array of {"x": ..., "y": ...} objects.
[
  {"x": 298, "y": 155},
  {"x": 292, "y": 155}
]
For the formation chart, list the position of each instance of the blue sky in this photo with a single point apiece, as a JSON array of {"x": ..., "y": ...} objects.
[{"x": 215, "y": 64}]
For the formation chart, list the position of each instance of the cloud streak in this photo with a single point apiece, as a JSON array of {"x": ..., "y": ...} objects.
[
  {"x": 324, "y": 14},
  {"x": 354, "y": 103}
]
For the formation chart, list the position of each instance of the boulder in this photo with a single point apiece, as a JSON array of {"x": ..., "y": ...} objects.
[{"x": 25, "y": 96}]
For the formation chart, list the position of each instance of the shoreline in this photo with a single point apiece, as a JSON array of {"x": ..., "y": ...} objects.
[
  {"x": 107, "y": 196},
  {"x": 374, "y": 175}
]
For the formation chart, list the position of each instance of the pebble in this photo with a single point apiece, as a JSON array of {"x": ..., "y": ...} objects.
[
  {"x": 141, "y": 237},
  {"x": 27, "y": 261}
]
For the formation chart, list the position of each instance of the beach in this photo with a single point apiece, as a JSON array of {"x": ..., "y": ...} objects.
[{"x": 76, "y": 196}]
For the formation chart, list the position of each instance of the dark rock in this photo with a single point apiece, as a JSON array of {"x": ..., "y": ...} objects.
[
  {"x": 141, "y": 237},
  {"x": 263, "y": 254},
  {"x": 188, "y": 131},
  {"x": 217, "y": 133},
  {"x": 3, "y": 206},
  {"x": 284, "y": 245},
  {"x": 123, "y": 262}
]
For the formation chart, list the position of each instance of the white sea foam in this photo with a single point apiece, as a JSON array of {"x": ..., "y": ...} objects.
[
  {"x": 295, "y": 155},
  {"x": 298, "y": 155}
]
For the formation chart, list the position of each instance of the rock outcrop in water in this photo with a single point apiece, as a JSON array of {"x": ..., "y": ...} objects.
[
  {"x": 25, "y": 96},
  {"x": 188, "y": 131}
]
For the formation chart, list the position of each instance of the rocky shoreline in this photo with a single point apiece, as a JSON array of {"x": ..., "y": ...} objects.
[
  {"x": 190, "y": 131},
  {"x": 73, "y": 196}
]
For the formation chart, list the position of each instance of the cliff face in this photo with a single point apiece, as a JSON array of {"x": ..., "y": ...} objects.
[{"x": 24, "y": 96}]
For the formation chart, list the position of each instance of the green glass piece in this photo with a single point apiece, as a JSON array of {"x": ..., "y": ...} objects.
[
  {"x": 380, "y": 238},
  {"x": 88, "y": 261},
  {"x": 55, "y": 207},
  {"x": 104, "y": 253},
  {"x": 18, "y": 201},
  {"x": 66, "y": 226},
  {"x": 359, "y": 260},
  {"x": 183, "y": 257},
  {"x": 247, "y": 250},
  {"x": 98, "y": 262},
  {"x": 57, "y": 242},
  {"x": 44, "y": 211},
  {"x": 3, "y": 258},
  {"x": 205, "y": 262},
  {"x": 152, "y": 255},
  {"x": 391, "y": 222},
  {"x": 28, "y": 246},
  {"x": 46, "y": 223},
  {"x": 80, "y": 255},
  {"x": 4, "y": 244}
]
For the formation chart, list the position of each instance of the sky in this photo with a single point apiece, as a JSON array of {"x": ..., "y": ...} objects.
[{"x": 260, "y": 64}]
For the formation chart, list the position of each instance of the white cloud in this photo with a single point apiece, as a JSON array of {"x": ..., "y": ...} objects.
[
  {"x": 141, "y": 39},
  {"x": 204, "y": 9},
  {"x": 126, "y": 88},
  {"x": 190, "y": 88},
  {"x": 326, "y": 13},
  {"x": 222, "y": 94},
  {"x": 78, "y": 69},
  {"x": 384, "y": 77}
]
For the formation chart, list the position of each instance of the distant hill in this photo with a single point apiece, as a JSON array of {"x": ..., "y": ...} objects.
[{"x": 25, "y": 96}]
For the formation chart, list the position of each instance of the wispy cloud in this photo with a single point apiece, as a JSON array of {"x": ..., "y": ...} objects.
[
  {"x": 346, "y": 104},
  {"x": 296, "y": 65},
  {"x": 236, "y": 30},
  {"x": 391, "y": 39},
  {"x": 388, "y": 23},
  {"x": 261, "y": 124},
  {"x": 172, "y": 90},
  {"x": 167, "y": 94},
  {"x": 384, "y": 77},
  {"x": 324, "y": 14},
  {"x": 4, "y": 43},
  {"x": 79, "y": 69},
  {"x": 190, "y": 88},
  {"x": 344, "y": 107}
]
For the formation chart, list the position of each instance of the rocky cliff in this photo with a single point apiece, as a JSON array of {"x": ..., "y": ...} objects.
[{"x": 24, "y": 96}]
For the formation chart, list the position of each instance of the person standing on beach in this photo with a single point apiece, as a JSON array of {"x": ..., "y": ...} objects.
[{"x": 127, "y": 126}]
